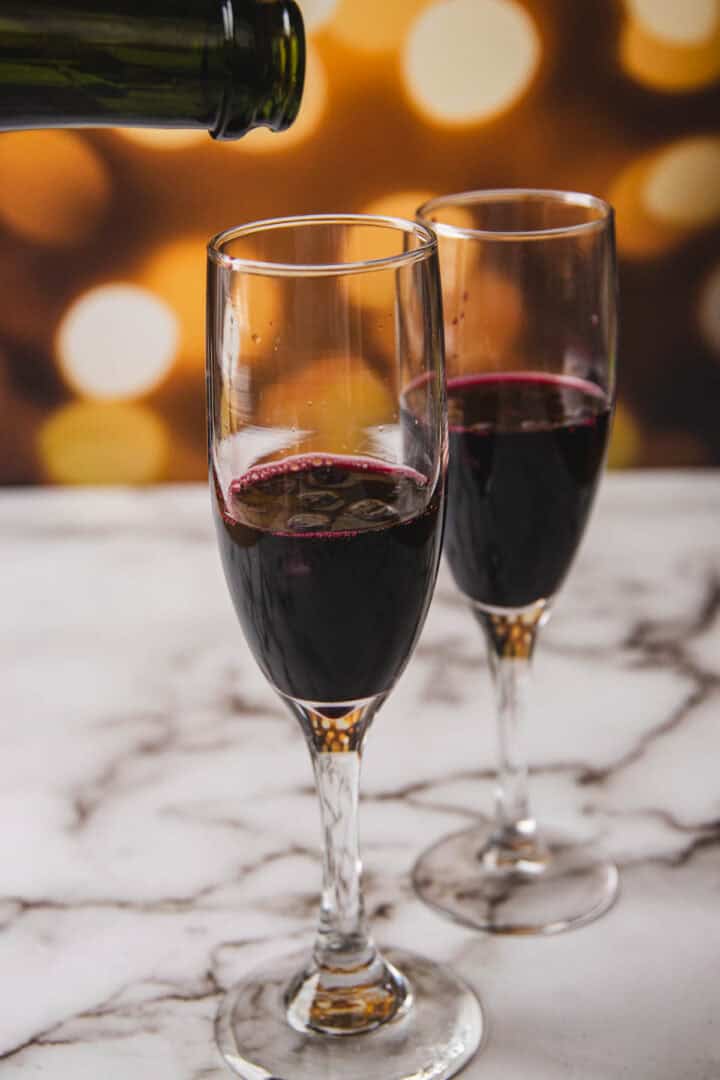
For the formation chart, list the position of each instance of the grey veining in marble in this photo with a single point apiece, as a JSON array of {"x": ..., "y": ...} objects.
[{"x": 158, "y": 828}]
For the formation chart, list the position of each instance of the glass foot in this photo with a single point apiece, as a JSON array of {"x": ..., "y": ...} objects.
[
  {"x": 543, "y": 887},
  {"x": 432, "y": 1036}
]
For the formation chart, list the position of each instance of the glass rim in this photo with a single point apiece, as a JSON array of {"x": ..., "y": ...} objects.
[
  {"x": 425, "y": 234},
  {"x": 551, "y": 195}
]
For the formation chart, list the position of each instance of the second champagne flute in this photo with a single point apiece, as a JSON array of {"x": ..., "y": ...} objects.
[
  {"x": 528, "y": 281},
  {"x": 329, "y": 495}
]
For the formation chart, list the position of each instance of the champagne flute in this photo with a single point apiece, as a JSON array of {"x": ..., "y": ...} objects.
[
  {"x": 529, "y": 296},
  {"x": 328, "y": 498}
]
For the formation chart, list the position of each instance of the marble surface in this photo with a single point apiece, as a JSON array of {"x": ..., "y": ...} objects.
[{"x": 158, "y": 829}]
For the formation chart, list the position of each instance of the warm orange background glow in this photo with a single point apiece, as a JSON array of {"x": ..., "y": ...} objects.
[{"x": 102, "y": 234}]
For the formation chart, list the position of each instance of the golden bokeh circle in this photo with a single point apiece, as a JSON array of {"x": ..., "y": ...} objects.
[
  {"x": 639, "y": 236},
  {"x": 116, "y": 341},
  {"x": 661, "y": 196},
  {"x": 374, "y": 26},
  {"x": 467, "y": 61},
  {"x": 683, "y": 184},
  {"x": 316, "y": 13},
  {"x": 93, "y": 442},
  {"x": 682, "y": 22},
  {"x": 55, "y": 186},
  {"x": 330, "y": 403},
  {"x": 671, "y": 45}
]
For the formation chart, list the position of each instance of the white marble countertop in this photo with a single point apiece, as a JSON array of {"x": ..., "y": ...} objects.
[{"x": 158, "y": 829}]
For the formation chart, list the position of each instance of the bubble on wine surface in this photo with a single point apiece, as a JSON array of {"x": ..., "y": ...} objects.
[
  {"x": 255, "y": 488},
  {"x": 373, "y": 510},
  {"x": 320, "y": 500},
  {"x": 308, "y": 522},
  {"x": 329, "y": 476}
]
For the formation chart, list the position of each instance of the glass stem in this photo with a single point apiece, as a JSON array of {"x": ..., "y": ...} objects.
[
  {"x": 510, "y": 677},
  {"x": 343, "y": 932},
  {"x": 511, "y": 637},
  {"x": 348, "y": 987}
]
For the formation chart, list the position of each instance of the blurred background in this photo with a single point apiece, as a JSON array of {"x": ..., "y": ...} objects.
[{"x": 102, "y": 234}]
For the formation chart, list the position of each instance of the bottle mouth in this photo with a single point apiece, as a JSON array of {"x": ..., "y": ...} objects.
[
  {"x": 291, "y": 52},
  {"x": 266, "y": 69}
]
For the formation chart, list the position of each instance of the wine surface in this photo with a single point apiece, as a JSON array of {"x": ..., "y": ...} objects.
[
  {"x": 330, "y": 562},
  {"x": 526, "y": 451}
]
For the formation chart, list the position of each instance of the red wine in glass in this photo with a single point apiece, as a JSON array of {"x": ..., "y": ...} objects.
[
  {"x": 329, "y": 508},
  {"x": 531, "y": 321},
  {"x": 330, "y": 562},
  {"x": 526, "y": 453}
]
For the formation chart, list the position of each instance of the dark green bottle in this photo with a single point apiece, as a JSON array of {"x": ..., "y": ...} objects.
[{"x": 223, "y": 65}]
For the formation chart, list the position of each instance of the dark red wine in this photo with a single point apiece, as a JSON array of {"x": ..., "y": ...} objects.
[
  {"x": 331, "y": 563},
  {"x": 526, "y": 452}
]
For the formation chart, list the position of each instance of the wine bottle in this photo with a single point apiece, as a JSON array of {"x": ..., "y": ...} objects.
[{"x": 223, "y": 65}]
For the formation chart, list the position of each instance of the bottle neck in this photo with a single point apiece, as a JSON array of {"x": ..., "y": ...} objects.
[
  {"x": 225, "y": 66},
  {"x": 264, "y": 62}
]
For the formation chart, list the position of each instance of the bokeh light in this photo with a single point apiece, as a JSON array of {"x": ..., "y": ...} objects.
[
  {"x": 116, "y": 341},
  {"x": 404, "y": 99},
  {"x": 317, "y": 12},
  {"x": 672, "y": 45},
  {"x": 663, "y": 195},
  {"x": 93, "y": 442},
  {"x": 468, "y": 60},
  {"x": 316, "y": 401},
  {"x": 59, "y": 185},
  {"x": 683, "y": 185},
  {"x": 639, "y": 235},
  {"x": 683, "y": 22},
  {"x": 374, "y": 26},
  {"x": 312, "y": 111},
  {"x": 709, "y": 309},
  {"x": 175, "y": 273}
]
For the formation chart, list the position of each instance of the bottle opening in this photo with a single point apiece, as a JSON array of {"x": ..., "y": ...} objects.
[{"x": 266, "y": 67}]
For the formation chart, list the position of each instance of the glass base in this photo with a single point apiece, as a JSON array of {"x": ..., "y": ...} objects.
[
  {"x": 433, "y": 1036},
  {"x": 547, "y": 886}
]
